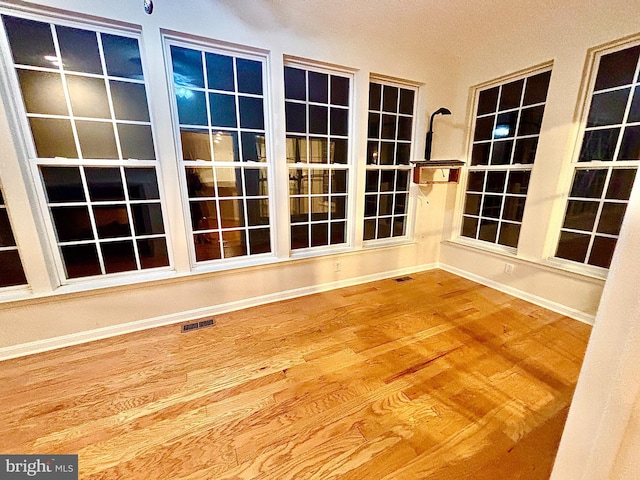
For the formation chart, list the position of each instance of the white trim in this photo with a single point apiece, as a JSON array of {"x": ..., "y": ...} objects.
[
  {"x": 535, "y": 299},
  {"x": 39, "y": 346}
]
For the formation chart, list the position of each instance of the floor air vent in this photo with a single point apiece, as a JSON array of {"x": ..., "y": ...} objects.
[
  {"x": 188, "y": 327},
  {"x": 403, "y": 279}
]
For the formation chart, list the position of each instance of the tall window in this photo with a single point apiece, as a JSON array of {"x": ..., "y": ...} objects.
[
  {"x": 86, "y": 105},
  {"x": 388, "y": 153},
  {"x": 11, "y": 272},
  {"x": 221, "y": 117},
  {"x": 607, "y": 163},
  {"x": 317, "y": 124},
  {"x": 505, "y": 139}
]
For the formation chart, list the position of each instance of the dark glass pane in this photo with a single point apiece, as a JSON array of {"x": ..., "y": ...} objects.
[
  {"x": 525, "y": 151},
  {"x": 531, "y": 120},
  {"x": 223, "y": 109},
  {"x": 259, "y": 241},
  {"x": 249, "y": 76},
  {"x": 518, "y": 181},
  {"x": 634, "y": 113},
  {"x": 129, "y": 101},
  {"x": 387, "y": 180},
  {"x": 487, "y": 101},
  {"x": 338, "y": 230},
  {"x": 536, "y": 89},
  {"x": 374, "y": 125},
  {"x": 476, "y": 182},
  {"x": 112, "y": 221},
  {"x": 207, "y": 246},
  {"x": 621, "y": 183},
  {"x": 372, "y": 181},
  {"x": 611, "y": 218},
  {"x": 501, "y": 154},
  {"x": 299, "y": 236},
  {"x": 257, "y": 211},
  {"x": 219, "y": 72},
  {"x": 387, "y": 153},
  {"x": 11, "y": 272},
  {"x": 607, "y": 108},
  {"x": 491, "y": 206},
  {"x": 153, "y": 252},
  {"x": 88, "y": 97},
  {"x": 200, "y": 182},
  {"x": 118, "y": 256},
  {"x": 319, "y": 234},
  {"x": 339, "y": 208},
  {"x": 63, "y": 184},
  {"x": 136, "y": 141},
  {"x": 472, "y": 204},
  {"x": 496, "y": 181},
  {"x": 251, "y": 113},
  {"x": 617, "y": 68},
  {"x": 229, "y": 181},
  {"x": 339, "y": 121},
  {"x": 602, "y": 251},
  {"x": 79, "y": 50},
  {"x": 255, "y": 180},
  {"x": 480, "y": 154},
  {"x": 318, "y": 148},
  {"x": 318, "y": 87},
  {"x": 97, "y": 139},
  {"x": 588, "y": 183},
  {"x": 296, "y": 149},
  {"x": 6, "y": 234},
  {"x": 192, "y": 107},
  {"x": 80, "y": 260},
  {"x": 406, "y": 101},
  {"x": 187, "y": 67},
  {"x": 369, "y": 229},
  {"x": 484, "y": 129},
  {"x": 384, "y": 228},
  {"x": 506, "y": 125},
  {"x": 42, "y": 92},
  {"x": 404, "y": 128},
  {"x": 147, "y": 218},
  {"x": 295, "y": 117},
  {"x": 630, "y": 147},
  {"x": 30, "y": 41},
  {"x": 488, "y": 230},
  {"x": 390, "y": 99},
  {"x": 385, "y": 205},
  {"x": 295, "y": 84},
  {"x": 511, "y": 94},
  {"x": 122, "y": 56},
  {"x": 339, "y": 90},
  {"x": 72, "y": 223},
  {"x": 299, "y": 209},
  {"x": 401, "y": 204},
  {"x": 231, "y": 213},
  {"x": 509, "y": 233},
  {"x": 370, "y": 205},
  {"x": 403, "y": 154},
  {"x": 53, "y": 138},
  {"x": 195, "y": 144},
  {"x": 104, "y": 184},
  {"x": 338, "y": 150},
  {"x": 1, "y": 198},
  {"x": 204, "y": 214},
  {"x": 142, "y": 183},
  {"x": 375, "y": 96},
  {"x": 389, "y": 127},
  {"x": 318, "y": 119},
  {"x": 402, "y": 180},
  {"x": 469, "y": 227},
  {"x": 513, "y": 208},
  {"x": 599, "y": 145},
  {"x": 581, "y": 215},
  {"x": 253, "y": 147}
]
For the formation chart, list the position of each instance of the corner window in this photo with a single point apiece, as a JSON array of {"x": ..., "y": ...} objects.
[
  {"x": 317, "y": 114},
  {"x": 389, "y": 142},
  {"x": 607, "y": 163},
  {"x": 11, "y": 271},
  {"x": 505, "y": 138},
  {"x": 86, "y": 107}
]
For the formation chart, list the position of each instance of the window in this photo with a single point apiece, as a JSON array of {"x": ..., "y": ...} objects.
[
  {"x": 86, "y": 106},
  {"x": 11, "y": 272},
  {"x": 388, "y": 153},
  {"x": 607, "y": 163},
  {"x": 221, "y": 117},
  {"x": 317, "y": 126},
  {"x": 505, "y": 138}
]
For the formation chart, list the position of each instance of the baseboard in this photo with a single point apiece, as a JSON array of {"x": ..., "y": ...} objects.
[
  {"x": 30, "y": 348},
  {"x": 536, "y": 300}
]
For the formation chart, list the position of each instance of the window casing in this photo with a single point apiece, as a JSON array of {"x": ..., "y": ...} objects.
[
  {"x": 92, "y": 151},
  {"x": 11, "y": 271},
  {"x": 606, "y": 164},
  {"x": 505, "y": 138},
  {"x": 389, "y": 148},
  {"x": 220, "y": 101},
  {"x": 318, "y": 137}
]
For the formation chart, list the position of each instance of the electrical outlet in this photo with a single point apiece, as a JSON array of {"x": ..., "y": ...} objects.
[
  {"x": 337, "y": 267},
  {"x": 508, "y": 268}
]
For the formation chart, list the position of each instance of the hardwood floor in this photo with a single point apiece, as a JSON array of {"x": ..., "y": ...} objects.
[{"x": 431, "y": 378}]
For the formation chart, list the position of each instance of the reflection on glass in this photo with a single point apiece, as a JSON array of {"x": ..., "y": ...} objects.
[
  {"x": 608, "y": 108},
  {"x": 588, "y": 183},
  {"x": 153, "y": 252},
  {"x": 403, "y": 153},
  {"x": 259, "y": 241},
  {"x": 611, "y": 218},
  {"x": 630, "y": 147},
  {"x": 142, "y": 183},
  {"x": 200, "y": 182},
  {"x": 491, "y": 206},
  {"x": 339, "y": 181},
  {"x": 225, "y": 146},
  {"x": 338, "y": 231},
  {"x": 53, "y": 137},
  {"x": 97, "y": 139},
  {"x": 104, "y": 184},
  {"x": 63, "y": 184},
  {"x": 581, "y": 215},
  {"x": 385, "y": 204},
  {"x": 298, "y": 181},
  {"x": 387, "y": 180},
  {"x": 339, "y": 150},
  {"x": 255, "y": 180},
  {"x": 229, "y": 182},
  {"x": 505, "y": 125},
  {"x": 136, "y": 141},
  {"x": 195, "y": 144},
  {"x": 495, "y": 181},
  {"x": 251, "y": 113},
  {"x": 42, "y": 92},
  {"x": 72, "y": 223},
  {"x": 621, "y": 183},
  {"x": 204, "y": 214},
  {"x": 112, "y": 221},
  {"x": 388, "y": 127},
  {"x": 339, "y": 207},
  {"x": 617, "y": 68},
  {"x": 525, "y": 151},
  {"x": 384, "y": 227},
  {"x": 31, "y": 42},
  {"x": 402, "y": 180},
  {"x": 573, "y": 246},
  {"x": 320, "y": 208},
  {"x": 319, "y": 181},
  {"x": 509, "y": 234},
  {"x": 122, "y": 56},
  {"x": 599, "y": 145},
  {"x": 372, "y": 153},
  {"x": 129, "y": 101},
  {"x": 602, "y": 251},
  {"x": 187, "y": 67},
  {"x": 192, "y": 107},
  {"x": 80, "y": 260},
  {"x": 223, "y": 110},
  {"x": 469, "y": 227},
  {"x": 234, "y": 243},
  {"x": 369, "y": 229},
  {"x": 513, "y": 208},
  {"x": 370, "y": 205},
  {"x": 472, "y": 204},
  {"x": 219, "y": 72},
  {"x": 79, "y": 50},
  {"x": 257, "y": 211},
  {"x": 501, "y": 154},
  {"x": 231, "y": 213},
  {"x": 118, "y": 256},
  {"x": 207, "y": 246},
  {"x": 399, "y": 224},
  {"x": 249, "y": 76},
  {"x": 318, "y": 150},
  {"x": 400, "y": 204},
  {"x": 88, "y": 97},
  {"x": 488, "y": 230},
  {"x": 299, "y": 209},
  {"x": 254, "y": 148},
  {"x": 147, "y": 219},
  {"x": 518, "y": 181},
  {"x": 387, "y": 153},
  {"x": 296, "y": 149}
]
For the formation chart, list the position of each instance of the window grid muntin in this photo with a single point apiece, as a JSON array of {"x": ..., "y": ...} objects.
[{"x": 11, "y": 247}]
